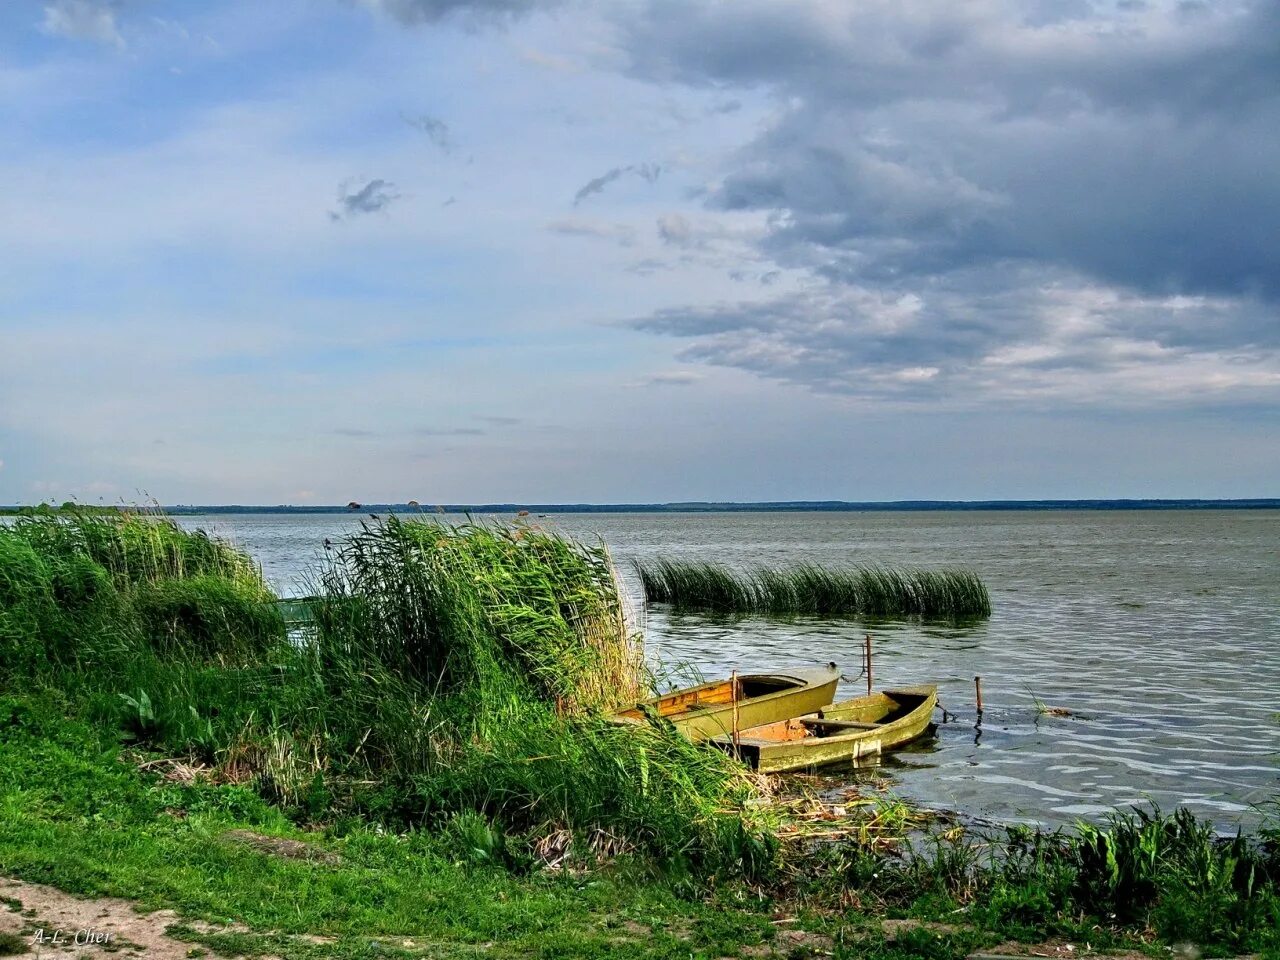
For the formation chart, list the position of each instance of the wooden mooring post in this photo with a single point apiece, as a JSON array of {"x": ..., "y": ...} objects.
[
  {"x": 868, "y": 664},
  {"x": 977, "y": 689}
]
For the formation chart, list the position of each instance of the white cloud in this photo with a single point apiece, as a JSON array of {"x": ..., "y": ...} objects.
[{"x": 82, "y": 20}]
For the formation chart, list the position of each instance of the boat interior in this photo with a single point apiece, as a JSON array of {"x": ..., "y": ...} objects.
[
  {"x": 715, "y": 694},
  {"x": 849, "y": 716}
]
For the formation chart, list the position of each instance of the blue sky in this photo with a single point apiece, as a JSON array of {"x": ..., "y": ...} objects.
[{"x": 476, "y": 250}]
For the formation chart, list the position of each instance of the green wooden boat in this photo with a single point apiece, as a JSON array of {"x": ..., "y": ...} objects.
[
  {"x": 849, "y": 730},
  {"x": 750, "y": 700}
]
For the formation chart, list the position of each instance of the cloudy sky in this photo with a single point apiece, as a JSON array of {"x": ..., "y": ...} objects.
[{"x": 475, "y": 250}]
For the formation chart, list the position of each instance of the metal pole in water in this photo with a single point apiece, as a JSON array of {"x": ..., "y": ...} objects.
[
  {"x": 977, "y": 687},
  {"x": 868, "y": 664}
]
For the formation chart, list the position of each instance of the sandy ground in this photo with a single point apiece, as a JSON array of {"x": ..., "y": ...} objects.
[{"x": 101, "y": 927}]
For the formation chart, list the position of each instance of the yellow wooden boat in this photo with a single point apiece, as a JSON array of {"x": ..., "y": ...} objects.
[
  {"x": 751, "y": 700},
  {"x": 848, "y": 730}
]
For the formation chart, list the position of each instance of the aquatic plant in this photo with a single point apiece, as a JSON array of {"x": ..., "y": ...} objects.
[{"x": 809, "y": 589}]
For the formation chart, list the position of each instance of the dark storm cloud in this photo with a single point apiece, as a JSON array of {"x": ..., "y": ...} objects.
[
  {"x": 922, "y": 139},
  {"x": 371, "y": 197},
  {"x": 998, "y": 165}
]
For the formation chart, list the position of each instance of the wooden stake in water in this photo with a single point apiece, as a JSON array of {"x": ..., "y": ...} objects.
[
  {"x": 733, "y": 689},
  {"x": 977, "y": 689},
  {"x": 868, "y": 664}
]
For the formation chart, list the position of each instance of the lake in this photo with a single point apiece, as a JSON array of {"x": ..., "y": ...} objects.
[{"x": 1157, "y": 630}]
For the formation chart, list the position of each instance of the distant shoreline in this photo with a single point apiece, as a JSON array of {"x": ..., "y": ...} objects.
[{"x": 781, "y": 506}]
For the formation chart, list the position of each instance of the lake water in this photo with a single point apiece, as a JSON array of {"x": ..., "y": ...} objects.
[{"x": 1158, "y": 631}]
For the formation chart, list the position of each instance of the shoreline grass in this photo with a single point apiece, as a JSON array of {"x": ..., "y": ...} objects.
[
  {"x": 812, "y": 590},
  {"x": 437, "y": 742},
  {"x": 451, "y": 675},
  {"x": 73, "y": 815}
]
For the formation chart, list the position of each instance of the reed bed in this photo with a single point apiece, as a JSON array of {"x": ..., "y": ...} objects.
[
  {"x": 484, "y": 606},
  {"x": 812, "y": 590}
]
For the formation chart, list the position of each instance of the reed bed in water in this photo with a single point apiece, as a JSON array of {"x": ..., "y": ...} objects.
[{"x": 814, "y": 590}]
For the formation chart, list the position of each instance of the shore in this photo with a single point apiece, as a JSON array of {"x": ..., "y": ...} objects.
[{"x": 428, "y": 776}]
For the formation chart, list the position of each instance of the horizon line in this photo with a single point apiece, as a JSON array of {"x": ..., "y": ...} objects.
[{"x": 722, "y": 506}]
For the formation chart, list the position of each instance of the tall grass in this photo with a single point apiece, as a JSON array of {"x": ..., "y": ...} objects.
[
  {"x": 448, "y": 672},
  {"x": 813, "y": 590},
  {"x": 483, "y": 607},
  {"x": 467, "y": 669},
  {"x": 81, "y": 589}
]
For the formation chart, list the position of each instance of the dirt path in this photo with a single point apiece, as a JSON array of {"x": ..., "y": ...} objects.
[{"x": 56, "y": 924}]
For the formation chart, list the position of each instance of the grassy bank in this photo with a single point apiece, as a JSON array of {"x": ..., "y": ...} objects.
[
  {"x": 429, "y": 774},
  {"x": 82, "y": 813},
  {"x": 816, "y": 591},
  {"x": 456, "y": 677}
]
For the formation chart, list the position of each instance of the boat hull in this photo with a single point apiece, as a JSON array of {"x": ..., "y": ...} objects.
[
  {"x": 842, "y": 732},
  {"x": 710, "y": 710}
]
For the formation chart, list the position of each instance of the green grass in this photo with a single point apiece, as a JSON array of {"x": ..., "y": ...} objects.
[
  {"x": 74, "y": 816},
  {"x": 438, "y": 739},
  {"x": 448, "y": 672},
  {"x": 77, "y": 813},
  {"x": 864, "y": 591}
]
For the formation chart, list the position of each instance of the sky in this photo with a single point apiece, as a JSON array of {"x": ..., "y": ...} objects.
[{"x": 310, "y": 251}]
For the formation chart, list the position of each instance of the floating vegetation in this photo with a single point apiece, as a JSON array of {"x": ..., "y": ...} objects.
[{"x": 814, "y": 590}]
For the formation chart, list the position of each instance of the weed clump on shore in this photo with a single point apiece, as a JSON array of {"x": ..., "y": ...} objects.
[
  {"x": 813, "y": 590},
  {"x": 1141, "y": 871}
]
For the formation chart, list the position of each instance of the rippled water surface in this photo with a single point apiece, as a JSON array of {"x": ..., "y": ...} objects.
[{"x": 1158, "y": 631}]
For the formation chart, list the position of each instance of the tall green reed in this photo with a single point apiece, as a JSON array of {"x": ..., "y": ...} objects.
[{"x": 809, "y": 589}]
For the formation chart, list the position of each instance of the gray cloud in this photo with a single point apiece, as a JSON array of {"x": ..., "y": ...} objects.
[
  {"x": 648, "y": 172},
  {"x": 449, "y": 432},
  {"x": 414, "y": 12},
  {"x": 986, "y": 337},
  {"x": 621, "y": 233},
  {"x": 1000, "y": 166},
  {"x": 93, "y": 20},
  {"x": 597, "y": 184},
  {"x": 354, "y": 432},
  {"x": 675, "y": 229},
  {"x": 437, "y": 130},
  {"x": 373, "y": 196},
  {"x": 675, "y": 378}
]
